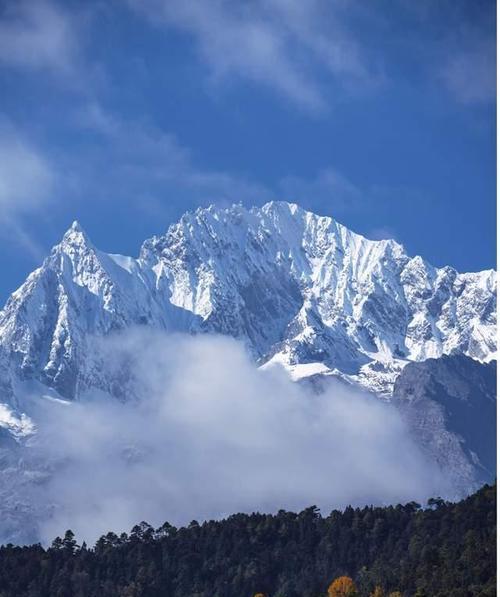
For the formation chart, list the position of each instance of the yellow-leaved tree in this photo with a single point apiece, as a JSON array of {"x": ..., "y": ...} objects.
[
  {"x": 377, "y": 592},
  {"x": 395, "y": 594},
  {"x": 343, "y": 586}
]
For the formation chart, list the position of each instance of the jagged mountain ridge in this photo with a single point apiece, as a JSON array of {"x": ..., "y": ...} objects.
[{"x": 297, "y": 288}]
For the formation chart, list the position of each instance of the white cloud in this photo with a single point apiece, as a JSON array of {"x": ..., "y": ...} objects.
[
  {"x": 211, "y": 436},
  {"x": 470, "y": 73},
  {"x": 26, "y": 177},
  {"x": 37, "y": 34},
  {"x": 280, "y": 44},
  {"x": 27, "y": 182}
]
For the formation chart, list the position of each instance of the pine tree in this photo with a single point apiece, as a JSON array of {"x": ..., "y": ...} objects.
[
  {"x": 57, "y": 543},
  {"x": 69, "y": 542}
]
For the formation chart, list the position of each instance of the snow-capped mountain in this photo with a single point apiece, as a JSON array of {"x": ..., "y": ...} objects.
[{"x": 299, "y": 289}]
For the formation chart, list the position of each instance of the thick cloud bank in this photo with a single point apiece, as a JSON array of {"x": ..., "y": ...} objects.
[{"x": 212, "y": 435}]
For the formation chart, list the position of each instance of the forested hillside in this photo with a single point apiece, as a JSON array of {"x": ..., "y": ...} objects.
[{"x": 442, "y": 549}]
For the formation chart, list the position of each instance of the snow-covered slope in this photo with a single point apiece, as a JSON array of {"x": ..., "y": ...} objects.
[{"x": 298, "y": 288}]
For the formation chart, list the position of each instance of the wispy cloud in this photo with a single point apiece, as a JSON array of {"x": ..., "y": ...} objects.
[
  {"x": 313, "y": 52},
  {"x": 470, "y": 72},
  {"x": 455, "y": 42},
  {"x": 26, "y": 178},
  {"x": 27, "y": 181},
  {"x": 37, "y": 34},
  {"x": 280, "y": 44}
]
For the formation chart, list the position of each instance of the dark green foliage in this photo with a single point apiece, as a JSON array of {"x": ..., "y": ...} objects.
[{"x": 448, "y": 549}]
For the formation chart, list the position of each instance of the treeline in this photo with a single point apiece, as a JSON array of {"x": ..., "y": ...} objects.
[{"x": 443, "y": 550}]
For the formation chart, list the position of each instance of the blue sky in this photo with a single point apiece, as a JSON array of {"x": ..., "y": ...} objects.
[{"x": 124, "y": 114}]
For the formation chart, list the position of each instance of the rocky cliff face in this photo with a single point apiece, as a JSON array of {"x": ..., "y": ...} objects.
[{"x": 450, "y": 406}]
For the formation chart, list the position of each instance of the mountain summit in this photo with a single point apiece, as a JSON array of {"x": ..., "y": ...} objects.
[{"x": 297, "y": 288}]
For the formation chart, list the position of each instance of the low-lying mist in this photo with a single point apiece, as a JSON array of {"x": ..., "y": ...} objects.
[{"x": 213, "y": 435}]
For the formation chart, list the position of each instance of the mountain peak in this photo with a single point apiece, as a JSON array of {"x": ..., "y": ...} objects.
[
  {"x": 280, "y": 204},
  {"x": 76, "y": 235},
  {"x": 76, "y": 226},
  {"x": 283, "y": 207}
]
